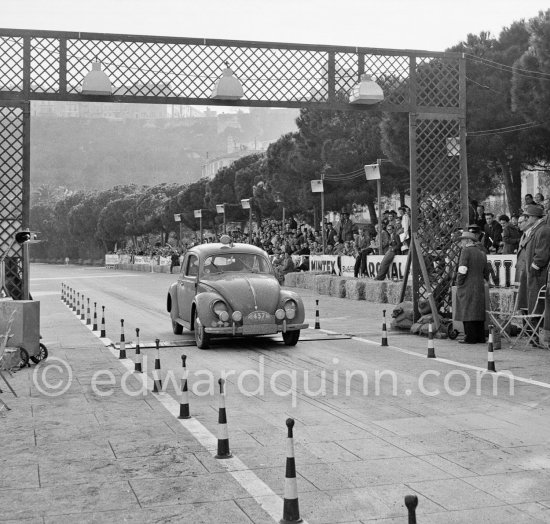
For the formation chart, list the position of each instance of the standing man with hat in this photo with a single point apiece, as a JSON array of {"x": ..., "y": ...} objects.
[
  {"x": 470, "y": 289},
  {"x": 534, "y": 249},
  {"x": 345, "y": 231}
]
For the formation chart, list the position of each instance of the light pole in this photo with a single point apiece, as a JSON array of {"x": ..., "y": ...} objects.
[
  {"x": 245, "y": 203},
  {"x": 177, "y": 218},
  {"x": 279, "y": 200},
  {"x": 198, "y": 214},
  {"x": 220, "y": 209},
  {"x": 317, "y": 187},
  {"x": 372, "y": 171}
]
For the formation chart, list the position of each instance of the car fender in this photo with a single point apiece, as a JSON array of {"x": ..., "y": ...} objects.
[
  {"x": 202, "y": 307},
  {"x": 172, "y": 302},
  {"x": 300, "y": 313}
]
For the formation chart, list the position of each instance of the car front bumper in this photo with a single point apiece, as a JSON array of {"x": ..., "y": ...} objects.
[{"x": 254, "y": 329}]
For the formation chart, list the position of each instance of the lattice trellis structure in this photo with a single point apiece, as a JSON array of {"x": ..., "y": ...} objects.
[
  {"x": 439, "y": 206},
  {"x": 48, "y": 65},
  {"x": 12, "y": 184}
]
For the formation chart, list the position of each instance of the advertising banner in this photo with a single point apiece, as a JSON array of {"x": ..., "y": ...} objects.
[
  {"x": 324, "y": 263},
  {"x": 111, "y": 260},
  {"x": 396, "y": 271}
]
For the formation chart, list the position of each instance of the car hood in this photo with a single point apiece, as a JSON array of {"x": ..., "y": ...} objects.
[{"x": 248, "y": 292}]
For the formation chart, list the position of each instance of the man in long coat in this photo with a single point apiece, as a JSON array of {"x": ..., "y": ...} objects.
[
  {"x": 470, "y": 289},
  {"x": 534, "y": 250}
]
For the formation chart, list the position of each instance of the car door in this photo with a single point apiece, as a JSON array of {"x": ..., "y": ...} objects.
[{"x": 187, "y": 285}]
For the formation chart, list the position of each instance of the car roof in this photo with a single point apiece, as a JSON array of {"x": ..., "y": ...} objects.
[{"x": 206, "y": 250}]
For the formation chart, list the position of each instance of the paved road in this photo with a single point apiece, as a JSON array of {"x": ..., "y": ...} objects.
[{"x": 373, "y": 424}]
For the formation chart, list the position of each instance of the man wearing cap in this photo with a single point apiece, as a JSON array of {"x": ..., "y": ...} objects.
[
  {"x": 470, "y": 289},
  {"x": 534, "y": 252}
]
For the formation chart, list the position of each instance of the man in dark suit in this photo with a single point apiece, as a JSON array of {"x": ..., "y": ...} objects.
[
  {"x": 534, "y": 251},
  {"x": 470, "y": 289},
  {"x": 493, "y": 234}
]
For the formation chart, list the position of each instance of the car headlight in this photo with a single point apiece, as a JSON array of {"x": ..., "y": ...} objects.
[
  {"x": 290, "y": 308},
  {"x": 280, "y": 314},
  {"x": 220, "y": 309},
  {"x": 237, "y": 316}
]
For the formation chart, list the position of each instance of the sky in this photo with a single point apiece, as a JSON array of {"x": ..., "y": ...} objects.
[{"x": 432, "y": 25}]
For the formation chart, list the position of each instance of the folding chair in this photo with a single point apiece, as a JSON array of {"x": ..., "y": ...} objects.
[
  {"x": 531, "y": 322},
  {"x": 502, "y": 320}
]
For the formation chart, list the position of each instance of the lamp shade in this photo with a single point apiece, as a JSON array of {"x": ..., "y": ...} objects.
[
  {"x": 228, "y": 87},
  {"x": 220, "y": 209},
  {"x": 317, "y": 186},
  {"x": 96, "y": 82},
  {"x": 367, "y": 91},
  {"x": 372, "y": 171},
  {"x": 197, "y": 213}
]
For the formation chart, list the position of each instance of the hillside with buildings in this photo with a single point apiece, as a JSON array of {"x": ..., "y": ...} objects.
[{"x": 100, "y": 145}]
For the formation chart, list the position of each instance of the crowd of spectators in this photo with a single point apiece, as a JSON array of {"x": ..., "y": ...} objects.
[
  {"x": 501, "y": 234},
  {"x": 294, "y": 237}
]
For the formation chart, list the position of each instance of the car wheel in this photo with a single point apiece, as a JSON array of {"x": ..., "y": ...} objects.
[
  {"x": 177, "y": 329},
  {"x": 291, "y": 337},
  {"x": 201, "y": 337}
]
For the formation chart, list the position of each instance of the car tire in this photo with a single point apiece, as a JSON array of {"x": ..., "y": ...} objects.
[
  {"x": 177, "y": 329},
  {"x": 290, "y": 338},
  {"x": 201, "y": 337}
]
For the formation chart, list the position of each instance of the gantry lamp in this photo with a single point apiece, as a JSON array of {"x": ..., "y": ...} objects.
[
  {"x": 96, "y": 82},
  {"x": 228, "y": 86},
  {"x": 366, "y": 92}
]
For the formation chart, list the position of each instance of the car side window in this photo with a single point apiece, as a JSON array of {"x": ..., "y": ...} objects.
[{"x": 192, "y": 267}]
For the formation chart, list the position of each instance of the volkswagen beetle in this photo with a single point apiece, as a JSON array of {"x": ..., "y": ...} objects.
[{"x": 230, "y": 289}]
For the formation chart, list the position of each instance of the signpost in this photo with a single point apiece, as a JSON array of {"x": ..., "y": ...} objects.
[
  {"x": 317, "y": 187},
  {"x": 372, "y": 172}
]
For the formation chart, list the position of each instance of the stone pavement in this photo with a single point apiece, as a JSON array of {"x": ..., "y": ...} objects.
[{"x": 82, "y": 457}]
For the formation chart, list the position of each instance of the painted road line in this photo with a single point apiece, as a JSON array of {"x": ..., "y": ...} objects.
[
  {"x": 267, "y": 499},
  {"x": 503, "y": 373},
  {"x": 39, "y": 279}
]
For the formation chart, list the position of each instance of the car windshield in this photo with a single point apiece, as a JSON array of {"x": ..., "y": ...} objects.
[{"x": 235, "y": 262}]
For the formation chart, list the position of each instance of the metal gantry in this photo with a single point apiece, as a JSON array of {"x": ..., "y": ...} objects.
[{"x": 430, "y": 87}]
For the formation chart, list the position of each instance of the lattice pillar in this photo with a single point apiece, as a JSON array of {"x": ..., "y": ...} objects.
[
  {"x": 439, "y": 179},
  {"x": 14, "y": 192},
  {"x": 438, "y": 207}
]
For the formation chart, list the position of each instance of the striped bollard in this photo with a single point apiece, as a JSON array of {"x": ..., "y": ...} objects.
[
  {"x": 70, "y": 298},
  {"x": 82, "y": 310},
  {"x": 62, "y": 291},
  {"x": 384, "y": 330},
  {"x": 76, "y": 304},
  {"x": 88, "y": 314},
  {"x": 431, "y": 350},
  {"x": 490, "y": 354},
  {"x": 139, "y": 358},
  {"x": 103, "y": 333},
  {"x": 291, "y": 509},
  {"x": 94, "y": 325},
  {"x": 122, "y": 348},
  {"x": 157, "y": 380},
  {"x": 223, "y": 436},
  {"x": 184, "y": 404},
  {"x": 317, "y": 323},
  {"x": 411, "y": 501}
]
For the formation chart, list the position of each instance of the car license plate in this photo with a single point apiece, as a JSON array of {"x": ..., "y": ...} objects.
[
  {"x": 259, "y": 329},
  {"x": 260, "y": 317}
]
